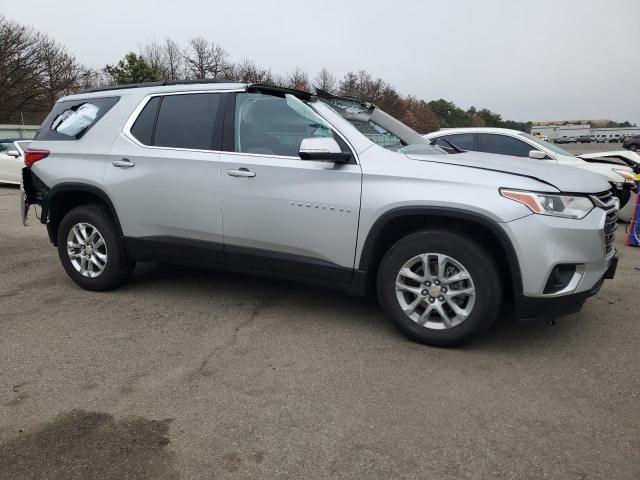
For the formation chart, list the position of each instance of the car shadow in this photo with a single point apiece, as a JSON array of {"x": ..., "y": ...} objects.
[{"x": 184, "y": 282}]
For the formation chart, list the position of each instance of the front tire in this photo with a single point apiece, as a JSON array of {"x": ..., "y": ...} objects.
[
  {"x": 90, "y": 249},
  {"x": 439, "y": 288}
]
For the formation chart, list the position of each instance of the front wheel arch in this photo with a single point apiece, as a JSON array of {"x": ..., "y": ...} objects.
[{"x": 402, "y": 221}]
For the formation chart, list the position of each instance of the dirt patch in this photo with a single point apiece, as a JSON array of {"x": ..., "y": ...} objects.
[{"x": 90, "y": 445}]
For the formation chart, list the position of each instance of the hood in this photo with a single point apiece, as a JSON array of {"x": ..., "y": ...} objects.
[{"x": 565, "y": 179}]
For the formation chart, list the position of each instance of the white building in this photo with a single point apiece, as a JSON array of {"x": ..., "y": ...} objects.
[{"x": 574, "y": 130}]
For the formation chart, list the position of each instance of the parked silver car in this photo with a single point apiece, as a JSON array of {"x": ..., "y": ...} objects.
[{"x": 261, "y": 179}]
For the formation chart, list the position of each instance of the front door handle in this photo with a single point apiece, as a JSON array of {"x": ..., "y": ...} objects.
[
  {"x": 241, "y": 172},
  {"x": 124, "y": 163}
]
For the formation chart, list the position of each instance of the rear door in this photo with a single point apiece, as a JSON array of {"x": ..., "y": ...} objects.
[
  {"x": 164, "y": 179},
  {"x": 283, "y": 214},
  {"x": 504, "y": 145}
]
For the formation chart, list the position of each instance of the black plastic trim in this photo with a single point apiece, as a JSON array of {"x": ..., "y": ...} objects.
[
  {"x": 77, "y": 187},
  {"x": 174, "y": 250},
  {"x": 279, "y": 262},
  {"x": 366, "y": 258},
  {"x": 253, "y": 261}
]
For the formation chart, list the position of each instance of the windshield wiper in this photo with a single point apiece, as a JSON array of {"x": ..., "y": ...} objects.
[{"x": 451, "y": 145}]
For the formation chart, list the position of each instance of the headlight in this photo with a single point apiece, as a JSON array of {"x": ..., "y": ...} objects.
[
  {"x": 629, "y": 177},
  {"x": 566, "y": 206}
]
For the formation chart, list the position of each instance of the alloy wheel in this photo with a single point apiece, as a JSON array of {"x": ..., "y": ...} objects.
[
  {"x": 87, "y": 250},
  {"x": 435, "y": 291}
]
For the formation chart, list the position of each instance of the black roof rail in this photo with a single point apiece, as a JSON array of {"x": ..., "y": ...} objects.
[
  {"x": 263, "y": 87},
  {"x": 156, "y": 84}
]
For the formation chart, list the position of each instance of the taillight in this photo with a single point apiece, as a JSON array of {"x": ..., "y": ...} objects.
[{"x": 31, "y": 156}]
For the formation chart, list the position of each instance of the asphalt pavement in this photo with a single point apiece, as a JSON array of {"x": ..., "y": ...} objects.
[{"x": 187, "y": 373}]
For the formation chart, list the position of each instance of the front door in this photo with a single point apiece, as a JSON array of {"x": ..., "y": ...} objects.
[{"x": 280, "y": 213}]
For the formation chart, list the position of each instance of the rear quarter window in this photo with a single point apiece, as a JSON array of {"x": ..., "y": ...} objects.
[{"x": 72, "y": 119}]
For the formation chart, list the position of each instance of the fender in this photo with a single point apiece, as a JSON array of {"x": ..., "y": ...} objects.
[{"x": 366, "y": 258}]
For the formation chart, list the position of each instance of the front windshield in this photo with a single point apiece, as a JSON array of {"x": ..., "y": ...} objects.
[
  {"x": 380, "y": 128},
  {"x": 545, "y": 144}
]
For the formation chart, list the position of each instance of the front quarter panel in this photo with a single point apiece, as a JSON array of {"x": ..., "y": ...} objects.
[{"x": 392, "y": 181}]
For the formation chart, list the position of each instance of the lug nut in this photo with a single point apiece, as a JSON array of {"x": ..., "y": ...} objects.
[
  {"x": 431, "y": 299},
  {"x": 437, "y": 282},
  {"x": 424, "y": 293},
  {"x": 443, "y": 289},
  {"x": 427, "y": 284},
  {"x": 441, "y": 298}
]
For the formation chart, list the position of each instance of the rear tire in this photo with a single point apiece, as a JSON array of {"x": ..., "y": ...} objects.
[
  {"x": 91, "y": 250},
  {"x": 431, "y": 309}
]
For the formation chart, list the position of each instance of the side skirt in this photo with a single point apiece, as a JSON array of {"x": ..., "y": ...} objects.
[{"x": 244, "y": 260}]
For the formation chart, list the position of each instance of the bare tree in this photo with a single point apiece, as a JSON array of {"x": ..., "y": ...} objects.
[
  {"x": 20, "y": 69},
  {"x": 218, "y": 66},
  {"x": 153, "y": 53},
  {"x": 349, "y": 85},
  {"x": 197, "y": 58},
  {"x": 173, "y": 60},
  {"x": 325, "y": 80},
  {"x": 205, "y": 60},
  {"x": 298, "y": 79},
  {"x": 60, "y": 70}
]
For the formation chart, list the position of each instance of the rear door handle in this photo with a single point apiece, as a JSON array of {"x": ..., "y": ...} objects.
[
  {"x": 124, "y": 163},
  {"x": 241, "y": 172}
]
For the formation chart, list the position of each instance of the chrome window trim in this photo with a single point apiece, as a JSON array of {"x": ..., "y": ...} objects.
[{"x": 143, "y": 103}]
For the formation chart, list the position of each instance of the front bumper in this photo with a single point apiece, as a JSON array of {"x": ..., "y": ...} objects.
[
  {"x": 544, "y": 243},
  {"x": 528, "y": 308}
]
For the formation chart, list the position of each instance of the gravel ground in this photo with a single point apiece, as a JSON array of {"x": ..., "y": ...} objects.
[{"x": 195, "y": 374}]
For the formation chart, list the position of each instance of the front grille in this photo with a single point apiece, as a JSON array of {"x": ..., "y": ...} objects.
[{"x": 608, "y": 203}]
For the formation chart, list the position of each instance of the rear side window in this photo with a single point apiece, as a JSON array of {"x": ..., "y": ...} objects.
[
  {"x": 143, "y": 127},
  {"x": 72, "y": 119},
  {"x": 504, "y": 145},
  {"x": 187, "y": 121},
  {"x": 463, "y": 141}
]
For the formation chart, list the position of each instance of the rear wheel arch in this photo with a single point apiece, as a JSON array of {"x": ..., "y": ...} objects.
[
  {"x": 400, "y": 222},
  {"x": 64, "y": 197}
]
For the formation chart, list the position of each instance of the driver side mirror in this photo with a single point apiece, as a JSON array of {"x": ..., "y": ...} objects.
[
  {"x": 537, "y": 155},
  {"x": 324, "y": 149},
  {"x": 13, "y": 153}
]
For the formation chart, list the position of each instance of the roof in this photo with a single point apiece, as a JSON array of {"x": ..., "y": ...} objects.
[
  {"x": 449, "y": 131},
  {"x": 183, "y": 86},
  {"x": 156, "y": 84}
]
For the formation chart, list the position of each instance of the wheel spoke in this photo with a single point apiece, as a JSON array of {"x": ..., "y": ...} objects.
[
  {"x": 456, "y": 278},
  {"x": 464, "y": 291},
  {"x": 411, "y": 307},
  {"x": 408, "y": 273},
  {"x": 442, "y": 263},
  {"x": 443, "y": 315},
  {"x": 425, "y": 315},
  {"x": 94, "y": 261},
  {"x": 408, "y": 288},
  {"x": 98, "y": 243},
  {"x": 461, "y": 313},
  {"x": 83, "y": 265}
]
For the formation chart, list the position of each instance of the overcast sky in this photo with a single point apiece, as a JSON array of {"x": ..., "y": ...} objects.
[{"x": 528, "y": 60}]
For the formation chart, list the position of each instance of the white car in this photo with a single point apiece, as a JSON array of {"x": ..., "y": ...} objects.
[
  {"x": 503, "y": 141},
  {"x": 620, "y": 157},
  {"x": 12, "y": 159}
]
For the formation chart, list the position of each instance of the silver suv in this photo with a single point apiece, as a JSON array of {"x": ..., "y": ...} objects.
[{"x": 315, "y": 188}]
